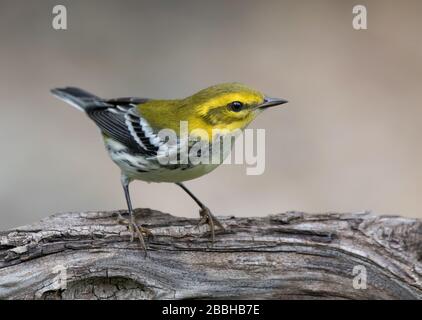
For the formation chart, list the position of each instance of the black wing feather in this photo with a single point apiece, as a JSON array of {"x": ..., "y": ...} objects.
[
  {"x": 112, "y": 121},
  {"x": 127, "y": 101},
  {"x": 110, "y": 117},
  {"x": 113, "y": 125}
]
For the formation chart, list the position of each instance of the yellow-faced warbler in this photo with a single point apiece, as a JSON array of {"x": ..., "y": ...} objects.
[{"x": 130, "y": 128}]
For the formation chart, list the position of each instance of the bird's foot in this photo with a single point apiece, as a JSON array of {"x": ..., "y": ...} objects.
[
  {"x": 208, "y": 218},
  {"x": 136, "y": 231}
]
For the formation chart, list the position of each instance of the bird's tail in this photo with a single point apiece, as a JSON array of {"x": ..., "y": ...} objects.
[{"x": 78, "y": 98}]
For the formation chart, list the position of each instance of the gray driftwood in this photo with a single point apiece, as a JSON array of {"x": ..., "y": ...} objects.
[{"x": 285, "y": 256}]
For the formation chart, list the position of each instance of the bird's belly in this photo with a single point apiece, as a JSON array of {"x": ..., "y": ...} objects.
[
  {"x": 180, "y": 174},
  {"x": 156, "y": 173},
  {"x": 138, "y": 167}
]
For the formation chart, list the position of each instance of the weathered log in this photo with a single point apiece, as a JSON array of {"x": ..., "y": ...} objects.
[{"x": 285, "y": 256}]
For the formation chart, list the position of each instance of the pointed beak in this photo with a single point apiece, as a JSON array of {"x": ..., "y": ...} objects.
[{"x": 271, "y": 102}]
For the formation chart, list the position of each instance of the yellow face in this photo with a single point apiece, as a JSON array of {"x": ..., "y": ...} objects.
[{"x": 228, "y": 106}]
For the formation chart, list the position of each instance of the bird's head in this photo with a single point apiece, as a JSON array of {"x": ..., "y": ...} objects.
[{"x": 227, "y": 106}]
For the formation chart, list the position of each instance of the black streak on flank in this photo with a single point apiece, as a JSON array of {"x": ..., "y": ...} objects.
[{"x": 130, "y": 164}]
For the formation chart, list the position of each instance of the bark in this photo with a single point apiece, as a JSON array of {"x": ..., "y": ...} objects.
[{"x": 285, "y": 256}]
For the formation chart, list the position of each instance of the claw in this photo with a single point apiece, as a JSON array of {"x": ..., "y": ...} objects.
[
  {"x": 208, "y": 218},
  {"x": 136, "y": 231}
]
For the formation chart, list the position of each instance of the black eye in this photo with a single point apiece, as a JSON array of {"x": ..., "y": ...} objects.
[{"x": 235, "y": 106}]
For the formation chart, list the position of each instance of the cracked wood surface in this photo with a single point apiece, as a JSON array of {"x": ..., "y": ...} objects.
[{"x": 285, "y": 256}]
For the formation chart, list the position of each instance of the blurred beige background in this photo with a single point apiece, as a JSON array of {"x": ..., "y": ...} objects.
[{"x": 348, "y": 141}]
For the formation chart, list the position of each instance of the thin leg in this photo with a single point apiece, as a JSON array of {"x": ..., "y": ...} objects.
[
  {"x": 205, "y": 213},
  {"x": 200, "y": 204},
  {"x": 133, "y": 227}
]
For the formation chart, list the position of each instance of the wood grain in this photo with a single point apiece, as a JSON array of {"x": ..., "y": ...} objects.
[{"x": 292, "y": 255}]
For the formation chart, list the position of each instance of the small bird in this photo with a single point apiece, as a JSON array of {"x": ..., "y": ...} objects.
[{"x": 130, "y": 129}]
